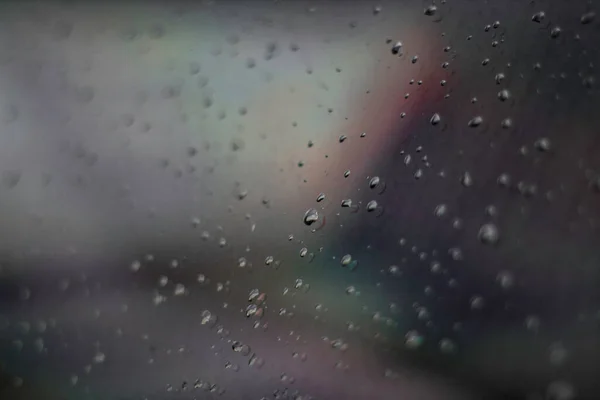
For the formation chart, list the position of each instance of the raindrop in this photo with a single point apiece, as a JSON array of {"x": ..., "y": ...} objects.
[
  {"x": 475, "y": 121},
  {"x": 503, "y": 95},
  {"x": 394, "y": 270},
  {"x": 441, "y": 210},
  {"x": 320, "y": 197},
  {"x": 489, "y": 234},
  {"x": 588, "y": 17},
  {"x": 241, "y": 348},
  {"x": 208, "y": 319},
  {"x": 560, "y": 390},
  {"x": 447, "y": 346},
  {"x": 435, "y": 119},
  {"x": 99, "y": 358},
  {"x": 538, "y": 16},
  {"x": 397, "y": 48},
  {"x": 477, "y": 303},
  {"x": 506, "y": 123},
  {"x": 466, "y": 179},
  {"x": 555, "y": 32},
  {"x": 505, "y": 279},
  {"x": 372, "y": 206},
  {"x": 532, "y": 323},
  {"x": 543, "y": 144},
  {"x": 430, "y": 10},
  {"x": 346, "y": 260},
  {"x": 256, "y": 362},
  {"x": 413, "y": 340},
  {"x": 311, "y": 216}
]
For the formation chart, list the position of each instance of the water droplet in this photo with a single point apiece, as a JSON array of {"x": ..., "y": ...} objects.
[
  {"x": 503, "y": 95},
  {"x": 99, "y": 358},
  {"x": 351, "y": 290},
  {"x": 441, "y": 210},
  {"x": 342, "y": 138},
  {"x": 397, "y": 48},
  {"x": 372, "y": 206},
  {"x": 538, "y": 16},
  {"x": 532, "y": 323},
  {"x": 256, "y": 362},
  {"x": 179, "y": 290},
  {"x": 489, "y": 234},
  {"x": 320, "y": 197},
  {"x": 558, "y": 354},
  {"x": 435, "y": 119},
  {"x": 269, "y": 260},
  {"x": 346, "y": 260},
  {"x": 430, "y": 10},
  {"x": 413, "y": 340},
  {"x": 11, "y": 178},
  {"x": 555, "y": 32},
  {"x": 543, "y": 144},
  {"x": 475, "y": 121},
  {"x": 588, "y": 17},
  {"x": 135, "y": 266},
  {"x": 447, "y": 346},
  {"x": 466, "y": 179},
  {"x": 506, "y": 279},
  {"x": 241, "y": 348},
  {"x": 374, "y": 182},
  {"x": 560, "y": 390},
  {"x": 303, "y": 252},
  {"x": 477, "y": 302},
  {"x": 346, "y": 203},
  {"x": 346, "y": 173},
  {"x": 311, "y": 216},
  {"x": 208, "y": 319},
  {"x": 506, "y": 123}
]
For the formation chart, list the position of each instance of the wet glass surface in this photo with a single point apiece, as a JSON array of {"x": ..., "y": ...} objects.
[{"x": 299, "y": 200}]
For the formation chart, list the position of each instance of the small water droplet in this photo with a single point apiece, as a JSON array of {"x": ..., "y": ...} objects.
[
  {"x": 372, "y": 206},
  {"x": 311, "y": 216},
  {"x": 588, "y": 17},
  {"x": 413, "y": 340},
  {"x": 475, "y": 121},
  {"x": 346, "y": 260},
  {"x": 441, "y": 210},
  {"x": 477, "y": 302},
  {"x": 466, "y": 179},
  {"x": 489, "y": 234},
  {"x": 430, "y": 10},
  {"x": 397, "y": 48},
  {"x": 538, "y": 16},
  {"x": 503, "y": 95}
]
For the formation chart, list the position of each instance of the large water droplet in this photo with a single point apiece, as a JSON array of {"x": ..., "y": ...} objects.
[{"x": 311, "y": 216}]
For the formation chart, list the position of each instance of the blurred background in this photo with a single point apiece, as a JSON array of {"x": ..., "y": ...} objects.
[{"x": 299, "y": 200}]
